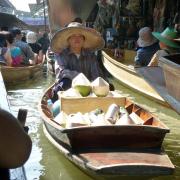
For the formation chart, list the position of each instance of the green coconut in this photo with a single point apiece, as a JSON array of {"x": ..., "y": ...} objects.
[{"x": 83, "y": 90}]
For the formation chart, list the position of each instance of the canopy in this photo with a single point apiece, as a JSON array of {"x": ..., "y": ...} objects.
[{"x": 9, "y": 20}]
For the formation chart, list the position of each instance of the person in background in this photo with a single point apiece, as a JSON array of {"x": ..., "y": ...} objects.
[
  {"x": 31, "y": 39},
  {"x": 147, "y": 46},
  {"x": 104, "y": 16},
  {"x": 76, "y": 45},
  {"x": 29, "y": 56},
  {"x": 5, "y": 54},
  {"x": 44, "y": 41},
  {"x": 167, "y": 44},
  {"x": 23, "y": 36},
  {"x": 16, "y": 53}
]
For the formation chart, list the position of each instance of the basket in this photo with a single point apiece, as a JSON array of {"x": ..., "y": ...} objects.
[{"x": 171, "y": 68}]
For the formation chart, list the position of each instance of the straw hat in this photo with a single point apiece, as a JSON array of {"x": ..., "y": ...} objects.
[
  {"x": 145, "y": 37},
  {"x": 167, "y": 37},
  {"x": 31, "y": 37},
  {"x": 93, "y": 39}
]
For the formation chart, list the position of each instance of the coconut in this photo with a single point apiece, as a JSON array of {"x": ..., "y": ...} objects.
[
  {"x": 82, "y": 84},
  {"x": 75, "y": 120},
  {"x": 61, "y": 119},
  {"x": 71, "y": 93},
  {"x": 100, "y": 87}
]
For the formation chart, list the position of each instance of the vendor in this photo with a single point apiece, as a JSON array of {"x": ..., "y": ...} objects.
[{"x": 75, "y": 46}]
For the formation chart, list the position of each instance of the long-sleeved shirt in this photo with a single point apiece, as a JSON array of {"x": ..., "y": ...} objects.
[
  {"x": 144, "y": 54},
  {"x": 69, "y": 65},
  {"x": 27, "y": 52}
]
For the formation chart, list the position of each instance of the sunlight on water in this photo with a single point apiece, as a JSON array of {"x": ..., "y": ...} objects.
[{"x": 46, "y": 163}]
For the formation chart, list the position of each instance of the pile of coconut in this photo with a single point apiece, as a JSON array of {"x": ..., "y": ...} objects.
[
  {"x": 115, "y": 115},
  {"x": 82, "y": 87}
]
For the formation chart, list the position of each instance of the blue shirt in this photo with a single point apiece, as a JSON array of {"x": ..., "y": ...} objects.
[
  {"x": 144, "y": 54},
  {"x": 69, "y": 65},
  {"x": 27, "y": 52}
]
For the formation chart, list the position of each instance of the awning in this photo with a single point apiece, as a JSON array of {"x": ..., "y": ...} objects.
[
  {"x": 34, "y": 21},
  {"x": 9, "y": 20}
]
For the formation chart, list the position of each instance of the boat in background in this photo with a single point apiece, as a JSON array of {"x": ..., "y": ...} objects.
[
  {"x": 158, "y": 84},
  {"x": 19, "y": 74},
  {"x": 113, "y": 150},
  {"x": 123, "y": 70}
]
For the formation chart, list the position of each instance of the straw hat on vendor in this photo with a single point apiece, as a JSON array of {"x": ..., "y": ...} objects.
[{"x": 92, "y": 39}]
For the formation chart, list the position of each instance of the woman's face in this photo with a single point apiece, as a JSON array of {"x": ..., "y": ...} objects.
[
  {"x": 162, "y": 45},
  {"x": 76, "y": 41}
]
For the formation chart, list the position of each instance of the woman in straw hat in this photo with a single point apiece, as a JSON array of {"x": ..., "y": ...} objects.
[
  {"x": 147, "y": 46},
  {"x": 167, "y": 44},
  {"x": 77, "y": 45}
]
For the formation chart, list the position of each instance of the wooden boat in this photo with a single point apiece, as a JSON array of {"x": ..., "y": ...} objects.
[
  {"x": 158, "y": 83},
  {"x": 124, "y": 72},
  {"x": 50, "y": 63},
  {"x": 19, "y": 74},
  {"x": 109, "y": 150}
]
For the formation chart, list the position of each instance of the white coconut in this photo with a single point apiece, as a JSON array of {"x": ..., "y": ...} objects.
[
  {"x": 61, "y": 119},
  {"x": 82, "y": 84},
  {"x": 71, "y": 93},
  {"x": 99, "y": 82},
  {"x": 76, "y": 120},
  {"x": 80, "y": 80},
  {"x": 100, "y": 87},
  {"x": 125, "y": 120}
]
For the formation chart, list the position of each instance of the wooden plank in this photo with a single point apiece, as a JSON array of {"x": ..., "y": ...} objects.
[
  {"x": 87, "y": 104},
  {"x": 155, "y": 77}
]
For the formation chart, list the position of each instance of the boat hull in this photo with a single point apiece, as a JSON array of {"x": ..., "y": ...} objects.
[
  {"x": 159, "y": 84},
  {"x": 126, "y": 136},
  {"x": 128, "y": 76},
  {"x": 116, "y": 163},
  {"x": 18, "y": 74},
  {"x": 111, "y": 151},
  {"x": 108, "y": 136}
]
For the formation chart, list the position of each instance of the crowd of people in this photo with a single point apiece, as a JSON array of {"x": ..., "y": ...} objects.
[
  {"x": 153, "y": 45},
  {"x": 20, "y": 49}
]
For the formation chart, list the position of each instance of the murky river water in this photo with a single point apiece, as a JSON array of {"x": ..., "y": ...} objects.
[{"x": 46, "y": 163}]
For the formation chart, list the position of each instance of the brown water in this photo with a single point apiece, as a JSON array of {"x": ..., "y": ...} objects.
[{"x": 46, "y": 163}]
